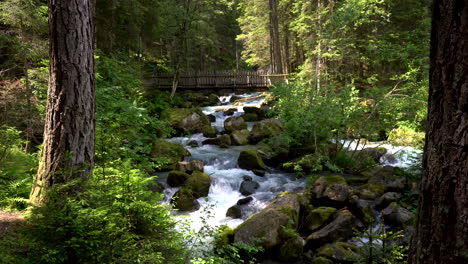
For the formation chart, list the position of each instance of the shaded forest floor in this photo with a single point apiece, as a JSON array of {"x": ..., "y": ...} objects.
[{"x": 10, "y": 221}]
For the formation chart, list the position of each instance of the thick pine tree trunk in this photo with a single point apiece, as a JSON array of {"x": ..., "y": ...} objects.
[
  {"x": 68, "y": 151},
  {"x": 275, "y": 44},
  {"x": 442, "y": 227}
]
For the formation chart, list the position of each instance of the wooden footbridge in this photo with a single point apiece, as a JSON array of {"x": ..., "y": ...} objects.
[{"x": 216, "y": 80}]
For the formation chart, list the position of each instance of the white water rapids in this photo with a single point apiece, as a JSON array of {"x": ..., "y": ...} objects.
[{"x": 221, "y": 165}]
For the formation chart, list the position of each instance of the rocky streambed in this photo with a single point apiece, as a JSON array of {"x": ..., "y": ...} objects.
[{"x": 230, "y": 165}]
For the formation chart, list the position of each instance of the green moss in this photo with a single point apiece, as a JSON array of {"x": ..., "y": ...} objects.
[
  {"x": 337, "y": 179},
  {"x": 209, "y": 131},
  {"x": 168, "y": 154},
  {"x": 357, "y": 180},
  {"x": 250, "y": 159},
  {"x": 321, "y": 260},
  {"x": 224, "y": 237},
  {"x": 177, "y": 178},
  {"x": 318, "y": 217},
  {"x": 291, "y": 250},
  {"x": 199, "y": 183}
]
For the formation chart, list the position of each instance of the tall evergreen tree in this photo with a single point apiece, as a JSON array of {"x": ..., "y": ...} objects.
[
  {"x": 442, "y": 226},
  {"x": 68, "y": 151}
]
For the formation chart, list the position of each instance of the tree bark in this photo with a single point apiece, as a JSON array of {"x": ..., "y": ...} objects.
[
  {"x": 68, "y": 149},
  {"x": 442, "y": 227},
  {"x": 275, "y": 46}
]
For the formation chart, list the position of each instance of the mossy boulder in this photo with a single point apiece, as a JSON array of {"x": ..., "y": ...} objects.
[
  {"x": 186, "y": 120},
  {"x": 332, "y": 189},
  {"x": 184, "y": 200},
  {"x": 317, "y": 217},
  {"x": 234, "y": 211},
  {"x": 224, "y": 237},
  {"x": 265, "y": 129},
  {"x": 340, "y": 229},
  {"x": 250, "y": 117},
  {"x": 168, "y": 153},
  {"x": 374, "y": 153},
  {"x": 339, "y": 251},
  {"x": 275, "y": 149},
  {"x": 199, "y": 183},
  {"x": 386, "y": 199},
  {"x": 234, "y": 123},
  {"x": 240, "y": 137},
  {"x": 223, "y": 141},
  {"x": 396, "y": 216},
  {"x": 371, "y": 191},
  {"x": 248, "y": 187},
  {"x": 209, "y": 131},
  {"x": 177, "y": 178},
  {"x": 291, "y": 250},
  {"x": 321, "y": 260},
  {"x": 267, "y": 224},
  {"x": 249, "y": 159}
]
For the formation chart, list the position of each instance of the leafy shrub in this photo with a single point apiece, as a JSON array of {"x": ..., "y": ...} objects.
[{"x": 115, "y": 220}]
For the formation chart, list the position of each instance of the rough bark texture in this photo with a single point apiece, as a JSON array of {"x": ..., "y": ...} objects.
[
  {"x": 275, "y": 46},
  {"x": 68, "y": 151},
  {"x": 442, "y": 226}
]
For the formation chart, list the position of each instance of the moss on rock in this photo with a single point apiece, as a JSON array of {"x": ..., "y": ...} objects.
[
  {"x": 317, "y": 217},
  {"x": 168, "y": 153},
  {"x": 177, "y": 178},
  {"x": 249, "y": 159},
  {"x": 199, "y": 183}
]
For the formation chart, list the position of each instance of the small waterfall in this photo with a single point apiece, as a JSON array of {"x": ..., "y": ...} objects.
[{"x": 221, "y": 165}]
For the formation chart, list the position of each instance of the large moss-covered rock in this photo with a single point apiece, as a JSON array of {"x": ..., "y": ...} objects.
[
  {"x": 223, "y": 141},
  {"x": 264, "y": 129},
  {"x": 209, "y": 131},
  {"x": 184, "y": 200},
  {"x": 331, "y": 189},
  {"x": 240, "y": 137},
  {"x": 317, "y": 217},
  {"x": 370, "y": 191},
  {"x": 186, "y": 120},
  {"x": 199, "y": 183},
  {"x": 291, "y": 250},
  {"x": 234, "y": 123},
  {"x": 267, "y": 224},
  {"x": 321, "y": 260},
  {"x": 224, "y": 237},
  {"x": 168, "y": 153},
  {"x": 386, "y": 199},
  {"x": 234, "y": 211},
  {"x": 177, "y": 178},
  {"x": 250, "y": 117},
  {"x": 374, "y": 153},
  {"x": 340, "y": 229},
  {"x": 274, "y": 149},
  {"x": 340, "y": 251},
  {"x": 396, "y": 216},
  {"x": 249, "y": 159}
]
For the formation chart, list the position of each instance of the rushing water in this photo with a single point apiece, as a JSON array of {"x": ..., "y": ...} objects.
[
  {"x": 226, "y": 176},
  {"x": 221, "y": 165}
]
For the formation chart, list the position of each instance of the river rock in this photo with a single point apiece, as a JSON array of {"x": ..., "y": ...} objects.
[
  {"x": 317, "y": 217},
  {"x": 322, "y": 260},
  {"x": 331, "y": 189},
  {"x": 249, "y": 159},
  {"x": 187, "y": 120},
  {"x": 209, "y": 131},
  {"x": 291, "y": 250},
  {"x": 230, "y": 111},
  {"x": 177, "y": 178},
  {"x": 240, "y": 137},
  {"x": 393, "y": 179},
  {"x": 396, "y": 216},
  {"x": 250, "y": 117},
  {"x": 184, "y": 200},
  {"x": 248, "y": 187},
  {"x": 370, "y": 191},
  {"x": 275, "y": 149},
  {"x": 199, "y": 183},
  {"x": 268, "y": 223},
  {"x": 211, "y": 117},
  {"x": 362, "y": 209},
  {"x": 340, "y": 229},
  {"x": 234, "y": 212},
  {"x": 247, "y": 178},
  {"x": 190, "y": 166},
  {"x": 374, "y": 153},
  {"x": 244, "y": 201},
  {"x": 265, "y": 129},
  {"x": 223, "y": 141},
  {"x": 170, "y": 152},
  {"x": 234, "y": 123},
  {"x": 193, "y": 143},
  {"x": 260, "y": 173},
  {"x": 339, "y": 251},
  {"x": 386, "y": 199}
]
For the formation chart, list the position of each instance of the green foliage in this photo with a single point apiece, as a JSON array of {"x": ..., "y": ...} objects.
[
  {"x": 16, "y": 170},
  {"x": 378, "y": 246},
  {"x": 124, "y": 127},
  {"x": 117, "y": 219}
]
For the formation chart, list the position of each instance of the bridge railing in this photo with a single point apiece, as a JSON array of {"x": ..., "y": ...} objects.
[{"x": 217, "y": 79}]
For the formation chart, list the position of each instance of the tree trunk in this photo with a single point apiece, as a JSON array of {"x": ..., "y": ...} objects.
[
  {"x": 442, "y": 227},
  {"x": 275, "y": 46},
  {"x": 68, "y": 151}
]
